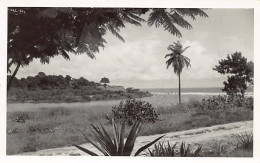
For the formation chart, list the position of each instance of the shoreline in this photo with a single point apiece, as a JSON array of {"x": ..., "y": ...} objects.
[
  {"x": 75, "y": 101},
  {"x": 249, "y": 94},
  {"x": 197, "y": 93}
]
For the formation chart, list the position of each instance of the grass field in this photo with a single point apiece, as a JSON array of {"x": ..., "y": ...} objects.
[{"x": 57, "y": 127}]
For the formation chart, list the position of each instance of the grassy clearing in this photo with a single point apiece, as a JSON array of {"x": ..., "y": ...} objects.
[{"x": 50, "y": 128}]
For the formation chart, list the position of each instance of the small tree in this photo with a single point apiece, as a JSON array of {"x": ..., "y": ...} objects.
[
  {"x": 105, "y": 81},
  {"x": 243, "y": 73},
  {"x": 41, "y": 74}
]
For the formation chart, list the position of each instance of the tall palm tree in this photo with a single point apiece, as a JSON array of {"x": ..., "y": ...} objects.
[{"x": 177, "y": 61}]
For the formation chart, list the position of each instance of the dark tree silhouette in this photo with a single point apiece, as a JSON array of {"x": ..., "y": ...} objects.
[
  {"x": 105, "y": 81},
  {"x": 243, "y": 73}
]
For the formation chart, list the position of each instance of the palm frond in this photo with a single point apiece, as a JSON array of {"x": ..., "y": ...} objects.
[
  {"x": 179, "y": 20},
  {"x": 185, "y": 49},
  {"x": 168, "y": 24},
  {"x": 65, "y": 54},
  {"x": 190, "y": 12},
  {"x": 114, "y": 30},
  {"x": 155, "y": 18},
  {"x": 45, "y": 60},
  {"x": 169, "y": 55}
]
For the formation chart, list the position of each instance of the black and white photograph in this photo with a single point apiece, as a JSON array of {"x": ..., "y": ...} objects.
[{"x": 130, "y": 81}]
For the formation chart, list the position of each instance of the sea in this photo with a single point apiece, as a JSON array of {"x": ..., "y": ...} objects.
[{"x": 192, "y": 91}]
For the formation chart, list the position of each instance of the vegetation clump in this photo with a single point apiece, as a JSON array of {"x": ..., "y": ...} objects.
[
  {"x": 161, "y": 150},
  {"x": 52, "y": 88},
  {"x": 244, "y": 141},
  {"x": 241, "y": 70},
  {"x": 134, "y": 110},
  {"x": 115, "y": 146},
  {"x": 227, "y": 102}
]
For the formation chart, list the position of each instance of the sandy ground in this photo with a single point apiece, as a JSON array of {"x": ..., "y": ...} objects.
[{"x": 206, "y": 137}]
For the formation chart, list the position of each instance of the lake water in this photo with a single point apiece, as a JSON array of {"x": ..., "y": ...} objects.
[{"x": 161, "y": 97}]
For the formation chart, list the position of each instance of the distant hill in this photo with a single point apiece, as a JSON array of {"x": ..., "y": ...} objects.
[{"x": 52, "y": 88}]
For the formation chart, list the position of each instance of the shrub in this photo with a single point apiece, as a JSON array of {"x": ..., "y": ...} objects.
[
  {"x": 86, "y": 98},
  {"x": 244, "y": 141},
  {"x": 22, "y": 118},
  {"x": 218, "y": 149},
  {"x": 227, "y": 102},
  {"x": 162, "y": 150},
  {"x": 115, "y": 146},
  {"x": 133, "y": 110},
  {"x": 71, "y": 99},
  {"x": 39, "y": 128},
  {"x": 249, "y": 103}
]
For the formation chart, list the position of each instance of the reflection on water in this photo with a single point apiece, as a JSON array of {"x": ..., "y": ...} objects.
[{"x": 155, "y": 100}]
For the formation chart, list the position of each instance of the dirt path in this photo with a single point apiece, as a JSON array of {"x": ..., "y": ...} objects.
[{"x": 206, "y": 137}]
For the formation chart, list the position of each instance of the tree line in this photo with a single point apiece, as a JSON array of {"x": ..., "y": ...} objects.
[{"x": 45, "y": 82}]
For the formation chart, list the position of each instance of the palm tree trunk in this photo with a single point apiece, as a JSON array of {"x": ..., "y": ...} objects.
[
  {"x": 12, "y": 77},
  {"x": 179, "y": 88}
]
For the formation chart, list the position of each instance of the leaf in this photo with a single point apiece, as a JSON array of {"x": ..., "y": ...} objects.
[
  {"x": 116, "y": 135},
  {"x": 129, "y": 144},
  {"x": 197, "y": 151},
  {"x": 65, "y": 54},
  {"x": 86, "y": 150},
  {"x": 147, "y": 145},
  {"x": 121, "y": 139},
  {"x": 109, "y": 140},
  {"x": 95, "y": 144}
]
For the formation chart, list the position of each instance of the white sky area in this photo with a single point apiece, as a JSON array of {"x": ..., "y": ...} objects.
[{"x": 140, "y": 62}]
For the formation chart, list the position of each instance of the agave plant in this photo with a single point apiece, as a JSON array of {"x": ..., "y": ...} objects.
[
  {"x": 162, "y": 150},
  {"x": 186, "y": 152},
  {"x": 218, "y": 149},
  {"x": 244, "y": 141},
  {"x": 115, "y": 146}
]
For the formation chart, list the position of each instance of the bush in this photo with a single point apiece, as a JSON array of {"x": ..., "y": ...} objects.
[
  {"x": 86, "y": 98},
  {"x": 39, "y": 128},
  {"x": 133, "y": 110},
  {"x": 245, "y": 141},
  {"x": 162, "y": 150},
  {"x": 249, "y": 103},
  {"x": 227, "y": 102}
]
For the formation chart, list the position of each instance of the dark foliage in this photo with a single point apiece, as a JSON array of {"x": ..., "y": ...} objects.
[
  {"x": 244, "y": 141},
  {"x": 243, "y": 73},
  {"x": 42, "y": 81},
  {"x": 227, "y": 102},
  {"x": 132, "y": 110},
  {"x": 162, "y": 150},
  {"x": 52, "y": 88}
]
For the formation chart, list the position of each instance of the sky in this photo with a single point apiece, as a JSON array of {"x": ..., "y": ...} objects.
[{"x": 139, "y": 61}]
